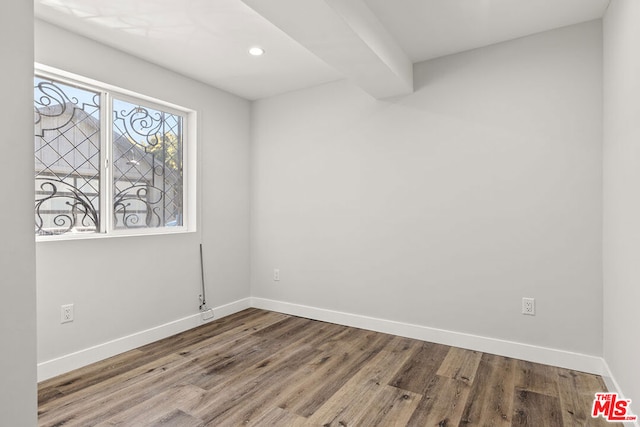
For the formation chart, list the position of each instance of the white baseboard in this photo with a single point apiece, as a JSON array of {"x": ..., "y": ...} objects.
[
  {"x": 613, "y": 386},
  {"x": 565, "y": 359},
  {"x": 69, "y": 362},
  {"x": 531, "y": 353}
]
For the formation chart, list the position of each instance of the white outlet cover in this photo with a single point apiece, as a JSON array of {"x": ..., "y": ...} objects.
[
  {"x": 529, "y": 306},
  {"x": 66, "y": 313}
]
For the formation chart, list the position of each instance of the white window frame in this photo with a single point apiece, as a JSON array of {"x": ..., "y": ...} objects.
[{"x": 106, "y": 211}]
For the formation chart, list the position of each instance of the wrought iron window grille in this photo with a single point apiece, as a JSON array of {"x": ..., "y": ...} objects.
[{"x": 99, "y": 172}]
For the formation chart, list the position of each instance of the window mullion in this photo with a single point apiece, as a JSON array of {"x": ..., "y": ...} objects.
[{"x": 106, "y": 208}]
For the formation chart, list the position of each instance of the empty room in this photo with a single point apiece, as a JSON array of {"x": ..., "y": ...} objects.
[{"x": 320, "y": 213}]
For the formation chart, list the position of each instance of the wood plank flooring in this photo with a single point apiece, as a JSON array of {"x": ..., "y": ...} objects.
[{"x": 260, "y": 368}]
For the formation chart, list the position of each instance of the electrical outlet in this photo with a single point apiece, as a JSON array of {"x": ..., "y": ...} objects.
[
  {"x": 66, "y": 313},
  {"x": 276, "y": 274},
  {"x": 529, "y": 306}
]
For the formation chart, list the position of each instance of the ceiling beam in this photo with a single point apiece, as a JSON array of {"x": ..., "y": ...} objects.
[{"x": 347, "y": 35}]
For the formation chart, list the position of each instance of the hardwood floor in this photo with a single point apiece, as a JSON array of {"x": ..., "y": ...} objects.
[{"x": 261, "y": 368}]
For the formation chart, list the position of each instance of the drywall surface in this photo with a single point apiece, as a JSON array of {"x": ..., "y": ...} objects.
[
  {"x": 622, "y": 195},
  {"x": 18, "y": 404},
  {"x": 445, "y": 207},
  {"x": 121, "y": 286}
]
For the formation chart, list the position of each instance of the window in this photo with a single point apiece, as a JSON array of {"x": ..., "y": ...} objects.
[{"x": 107, "y": 162}]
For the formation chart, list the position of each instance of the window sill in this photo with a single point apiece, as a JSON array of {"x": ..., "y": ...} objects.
[{"x": 115, "y": 234}]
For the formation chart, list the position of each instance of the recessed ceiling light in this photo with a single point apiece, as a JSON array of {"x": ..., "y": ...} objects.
[{"x": 256, "y": 51}]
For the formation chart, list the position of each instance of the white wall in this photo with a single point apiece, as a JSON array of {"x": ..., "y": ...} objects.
[
  {"x": 17, "y": 250},
  {"x": 121, "y": 286},
  {"x": 445, "y": 207},
  {"x": 622, "y": 194}
]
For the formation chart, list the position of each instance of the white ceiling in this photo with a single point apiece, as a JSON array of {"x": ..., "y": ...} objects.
[
  {"x": 208, "y": 39},
  {"x": 427, "y": 29}
]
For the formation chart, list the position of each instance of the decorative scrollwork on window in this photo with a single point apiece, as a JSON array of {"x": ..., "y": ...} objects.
[
  {"x": 64, "y": 206},
  {"x": 147, "y": 167},
  {"x": 67, "y": 158},
  {"x": 136, "y": 202},
  {"x": 140, "y": 122},
  {"x": 144, "y": 176},
  {"x": 50, "y": 101}
]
